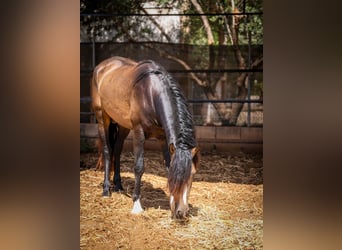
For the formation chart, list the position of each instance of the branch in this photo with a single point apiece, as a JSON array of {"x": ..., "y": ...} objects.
[
  {"x": 226, "y": 24},
  {"x": 233, "y": 8},
  {"x": 242, "y": 76},
  {"x": 169, "y": 56},
  {"x": 257, "y": 62},
  {"x": 234, "y": 32},
  {"x": 205, "y": 22}
]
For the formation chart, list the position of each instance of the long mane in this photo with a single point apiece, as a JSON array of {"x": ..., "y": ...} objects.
[{"x": 180, "y": 168}]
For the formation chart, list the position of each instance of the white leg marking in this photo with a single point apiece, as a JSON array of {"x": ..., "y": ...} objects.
[
  {"x": 185, "y": 193},
  {"x": 171, "y": 200},
  {"x": 137, "y": 209}
]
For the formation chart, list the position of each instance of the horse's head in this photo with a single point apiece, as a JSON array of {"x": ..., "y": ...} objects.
[{"x": 184, "y": 164}]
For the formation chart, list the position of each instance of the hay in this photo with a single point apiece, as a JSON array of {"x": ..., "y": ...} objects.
[{"x": 226, "y": 209}]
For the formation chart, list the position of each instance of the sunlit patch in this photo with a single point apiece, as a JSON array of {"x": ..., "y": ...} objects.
[
  {"x": 223, "y": 215},
  {"x": 111, "y": 65}
]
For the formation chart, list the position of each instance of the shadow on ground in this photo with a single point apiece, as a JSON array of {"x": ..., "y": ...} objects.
[{"x": 219, "y": 167}]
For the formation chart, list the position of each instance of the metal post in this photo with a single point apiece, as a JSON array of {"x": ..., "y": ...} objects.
[
  {"x": 93, "y": 52},
  {"x": 249, "y": 81},
  {"x": 93, "y": 118}
]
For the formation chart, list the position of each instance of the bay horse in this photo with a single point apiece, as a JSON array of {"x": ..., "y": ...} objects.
[{"x": 143, "y": 97}]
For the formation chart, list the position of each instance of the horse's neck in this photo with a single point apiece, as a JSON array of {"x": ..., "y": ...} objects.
[
  {"x": 171, "y": 136},
  {"x": 168, "y": 118}
]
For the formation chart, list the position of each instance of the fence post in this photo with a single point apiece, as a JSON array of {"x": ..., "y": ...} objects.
[
  {"x": 93, "y": 52},
  {"x": 249, "y": 81},
  {"x": 93, "y": 118}
]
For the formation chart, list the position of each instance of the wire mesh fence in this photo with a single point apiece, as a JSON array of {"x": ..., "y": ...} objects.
[{"x": 190, "y": 65}]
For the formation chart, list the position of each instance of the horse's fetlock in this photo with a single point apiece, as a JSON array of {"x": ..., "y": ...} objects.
[
  {"x": 106, "y": 192},
  {"x": 135, "y": 197}
]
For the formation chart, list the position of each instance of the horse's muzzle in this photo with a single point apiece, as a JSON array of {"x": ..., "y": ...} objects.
[{"x": 180, "y": 213}]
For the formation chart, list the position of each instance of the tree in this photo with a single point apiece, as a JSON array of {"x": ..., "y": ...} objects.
[{"x": 234, "y": 29}]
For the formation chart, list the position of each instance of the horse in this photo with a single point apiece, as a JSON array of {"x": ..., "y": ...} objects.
[{"x": 142, "y": 97}]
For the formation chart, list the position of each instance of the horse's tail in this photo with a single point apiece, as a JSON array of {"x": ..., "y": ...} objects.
[{"x": 95, "y": 99}]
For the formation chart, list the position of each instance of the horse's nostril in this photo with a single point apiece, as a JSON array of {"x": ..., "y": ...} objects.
[{"x": 179, "y": 214}]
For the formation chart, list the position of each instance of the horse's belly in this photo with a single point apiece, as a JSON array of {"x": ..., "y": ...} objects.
[{"x": 120, "y": 113}]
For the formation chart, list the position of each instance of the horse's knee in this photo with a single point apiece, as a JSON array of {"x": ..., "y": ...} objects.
[
  {"x": 139, "y": 169},
  {"x": 139, "y": 165}
]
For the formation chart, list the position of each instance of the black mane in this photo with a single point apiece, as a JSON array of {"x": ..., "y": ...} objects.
[{"x": 180, "y": 168}]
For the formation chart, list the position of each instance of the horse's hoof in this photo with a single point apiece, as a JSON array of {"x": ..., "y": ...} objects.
[{"x": 106, "y": 194}]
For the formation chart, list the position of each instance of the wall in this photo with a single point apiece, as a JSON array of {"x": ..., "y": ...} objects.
[{"x": 209, "y": 138}]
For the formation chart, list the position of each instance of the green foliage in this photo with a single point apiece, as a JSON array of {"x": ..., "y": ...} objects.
[
  {"x": 253, "y": 23},
  {"x": 117, "y": 28},
  {"x": 104, "y": 28},
  {"x": 109, "y": 6}
]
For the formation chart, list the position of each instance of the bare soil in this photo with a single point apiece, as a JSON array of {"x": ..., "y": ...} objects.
[{"x": 226, "y": 206}]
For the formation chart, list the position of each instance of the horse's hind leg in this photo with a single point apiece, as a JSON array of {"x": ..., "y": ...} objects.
[
  {"x": 111, "y": 135},
  {"x": 121, "y": 135},
  {"x": 138, "y": 146},
  {"x": 103, "y": 126},
  {"x": 100, "y": 161}
]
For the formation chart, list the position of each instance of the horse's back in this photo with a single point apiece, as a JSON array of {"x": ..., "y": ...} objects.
[{"x": 108, "y": 67}]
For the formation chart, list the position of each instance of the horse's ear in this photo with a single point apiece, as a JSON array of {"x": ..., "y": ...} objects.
[
  {"x": 172, "y": 148},
  {"x": 194, "y": 151}
]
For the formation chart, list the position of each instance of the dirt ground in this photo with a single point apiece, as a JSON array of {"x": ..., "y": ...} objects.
[{"x": 226, "y": 206}]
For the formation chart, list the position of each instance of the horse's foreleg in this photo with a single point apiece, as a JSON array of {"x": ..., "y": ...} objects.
[
  {"x": 138, "y": 146},
  {"x": 103, "y": 125},
  {"x": 120, "y": 138}
]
